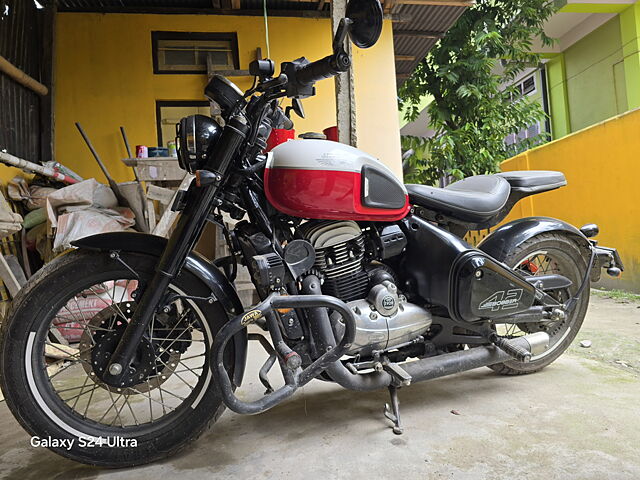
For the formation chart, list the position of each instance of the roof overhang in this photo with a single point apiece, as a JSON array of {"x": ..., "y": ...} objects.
[
  {"x": 417, "y": 24},
  {"x": 576, "y": 19}
]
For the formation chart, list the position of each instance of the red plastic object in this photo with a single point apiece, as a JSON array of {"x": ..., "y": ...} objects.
[
  {"x": 331, "y": 133},
  {"x": 278, "y": 136},
  {"x": 323, "y": 194}
]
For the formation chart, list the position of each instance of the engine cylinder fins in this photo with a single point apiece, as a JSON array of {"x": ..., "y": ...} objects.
[
  {"x": 347, "y": 288},
  {"x": 340, "y": 248},
  {"x": 327, "y": 233}
]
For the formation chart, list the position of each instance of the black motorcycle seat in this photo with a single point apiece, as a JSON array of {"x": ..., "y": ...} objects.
[
  {"x": 474, "y": 199},
  {"x": 534, "y": 181}
]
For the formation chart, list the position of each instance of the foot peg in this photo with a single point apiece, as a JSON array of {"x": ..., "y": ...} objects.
[
  {"x": 398, "y": 374},
  {"x": 393, "y": 412},
  {"x": 516, "y": 351}
]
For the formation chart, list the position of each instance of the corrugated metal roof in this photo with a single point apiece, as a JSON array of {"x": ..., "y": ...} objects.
[
  {"x": 422, "y": 18},
  {"x": 77, "y": 5},
  {"x": 415, "y": 18}
]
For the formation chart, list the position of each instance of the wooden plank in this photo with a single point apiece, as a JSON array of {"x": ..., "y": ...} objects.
[
  {"x": 56, "y": 336},
  {"x": 388, "y": 5},
  {"x": 59, "y": 351},
  {"x": 405, "y": 58},
  {"x": 321, "y": 4},
  {"x": 160, "y": 194},
  {"x": 450, "y": 3},
  {"x": 230, "y": 73},
  {"x": 202, "y": 11},
  {"x": 419, "y": 33},
  {"x": 156, "y": 169},
  {"x": 8, "y": 277},
  {"x": 235, "y": 4},
  {"x": 151, "y": 215}
]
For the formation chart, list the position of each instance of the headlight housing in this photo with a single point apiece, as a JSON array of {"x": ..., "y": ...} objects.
[{"x": 195, "y": 137}]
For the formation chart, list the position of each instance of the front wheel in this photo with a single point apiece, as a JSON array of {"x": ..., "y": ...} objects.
[
  {"x": 56, "y": 342},
  {"x": 544, "y": 254}
]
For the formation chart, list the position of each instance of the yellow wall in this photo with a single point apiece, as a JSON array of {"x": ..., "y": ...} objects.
[
  {"x": 377, "y": 123},
  {"x": 602, "y": 167},
  {"x": 104, "y": 79}
]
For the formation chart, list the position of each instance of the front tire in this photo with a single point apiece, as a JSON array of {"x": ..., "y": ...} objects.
[
  {"x": 543, "y": 254},
  {"x": 119, "y": 434}
]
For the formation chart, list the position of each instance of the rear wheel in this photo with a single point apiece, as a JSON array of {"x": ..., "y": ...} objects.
[
  {"x": 57, "y": 391},
  {"x": 545, "y": 254}
]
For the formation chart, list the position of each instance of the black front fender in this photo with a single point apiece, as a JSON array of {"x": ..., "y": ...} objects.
[
  {"x": 196, "y": 264},
  {"x": 502, "y": 241}
]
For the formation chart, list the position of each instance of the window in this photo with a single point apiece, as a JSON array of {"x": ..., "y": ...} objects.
[
  {"x": 168, "y": 113},
  {"x": 525, "y": 139},
  {"x": 527, "y": 86},
  {"x": 188, "y": 52}
]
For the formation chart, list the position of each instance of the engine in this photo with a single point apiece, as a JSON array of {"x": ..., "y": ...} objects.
[
  {"x": 339, "y": 262},
  {"x": 385, "y": 319}
]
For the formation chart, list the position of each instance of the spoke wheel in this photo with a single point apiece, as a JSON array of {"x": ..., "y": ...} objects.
[
  {"x": 168, "y": 366},
  {"x": 542, "y": 255},
  {"x": 85, "y": 299}
]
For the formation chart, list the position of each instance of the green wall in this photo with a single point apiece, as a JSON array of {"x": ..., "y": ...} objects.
[{"x": 595, "y": 76}]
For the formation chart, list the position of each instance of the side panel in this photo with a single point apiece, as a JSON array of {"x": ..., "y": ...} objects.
[
  {"x": 506, "y": 238},
  {"x": 429, "y": 258},
  {"x": 449, "y": 272},
  {"x": 209, "y": 274}
]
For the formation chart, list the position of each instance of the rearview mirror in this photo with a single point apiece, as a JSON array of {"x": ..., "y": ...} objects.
[{"x": 364, "y": 20}]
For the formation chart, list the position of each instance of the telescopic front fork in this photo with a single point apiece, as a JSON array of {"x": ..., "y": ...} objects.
[{"x": 199, "y": 201}]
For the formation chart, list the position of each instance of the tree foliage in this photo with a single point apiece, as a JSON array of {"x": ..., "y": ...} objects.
[{"x": 470, "y": 74}]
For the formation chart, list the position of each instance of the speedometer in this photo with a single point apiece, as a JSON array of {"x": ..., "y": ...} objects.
[{"x": 224, "y": 92}]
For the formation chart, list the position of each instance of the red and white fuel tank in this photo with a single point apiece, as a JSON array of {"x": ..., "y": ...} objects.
[{"x": 328, "y": 180}]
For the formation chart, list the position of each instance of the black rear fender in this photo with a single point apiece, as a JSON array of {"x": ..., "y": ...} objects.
[{"x": 506, "y": 238}]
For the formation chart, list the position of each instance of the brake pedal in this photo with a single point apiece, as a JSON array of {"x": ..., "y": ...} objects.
[{"x": 398, "y": 373}]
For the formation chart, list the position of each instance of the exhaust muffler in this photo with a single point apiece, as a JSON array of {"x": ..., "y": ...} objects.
[{"x": 463, "y": 360}]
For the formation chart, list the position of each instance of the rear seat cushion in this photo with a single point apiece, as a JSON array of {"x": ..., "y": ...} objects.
[{"x": 534, "y": 181}]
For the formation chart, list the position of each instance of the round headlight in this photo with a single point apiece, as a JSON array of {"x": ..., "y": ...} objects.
[{"x": 195, "y": 136}]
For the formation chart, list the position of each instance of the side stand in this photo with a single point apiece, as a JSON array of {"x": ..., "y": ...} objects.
[{"x": 393, "y": 412}]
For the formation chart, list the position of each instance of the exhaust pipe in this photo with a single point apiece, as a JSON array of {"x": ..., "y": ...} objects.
[
  {"x": 463, "y": 360},
  {"x": 420, "y": 370}
]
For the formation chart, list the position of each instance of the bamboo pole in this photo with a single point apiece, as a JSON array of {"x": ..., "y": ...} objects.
[
  {"x": 25, "y": 165},
  {"x": 22, "y": 78}
]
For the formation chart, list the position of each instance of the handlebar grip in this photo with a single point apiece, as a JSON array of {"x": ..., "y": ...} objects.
[{"x": 326, "y": 67}]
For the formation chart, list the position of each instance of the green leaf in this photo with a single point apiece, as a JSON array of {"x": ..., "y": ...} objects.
[{"x": 472, "y": 112}]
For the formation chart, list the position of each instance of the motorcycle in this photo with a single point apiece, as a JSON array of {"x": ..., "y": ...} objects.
[{"x": 363, "y": 281}]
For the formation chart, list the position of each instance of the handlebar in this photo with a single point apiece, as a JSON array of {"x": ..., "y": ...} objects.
[{"x": 326, "y": 67}]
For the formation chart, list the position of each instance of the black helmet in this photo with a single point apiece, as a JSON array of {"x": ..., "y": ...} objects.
[{"x": 196, "y": 135}]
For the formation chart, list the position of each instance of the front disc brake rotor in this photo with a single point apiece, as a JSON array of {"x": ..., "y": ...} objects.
[{"x": 150, "y": 368}]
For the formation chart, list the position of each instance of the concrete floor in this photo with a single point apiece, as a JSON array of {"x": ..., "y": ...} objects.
[{"x": 578, "y": 419}]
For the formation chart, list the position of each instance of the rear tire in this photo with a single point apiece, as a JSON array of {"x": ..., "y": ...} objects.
[
  {"x": 566, "y": 255},
  {"x": 40, "y": 408}
]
